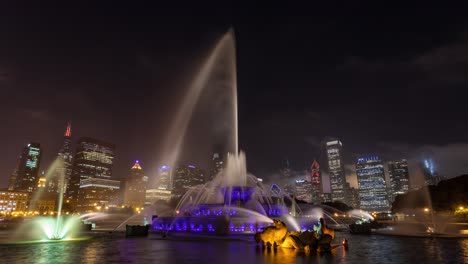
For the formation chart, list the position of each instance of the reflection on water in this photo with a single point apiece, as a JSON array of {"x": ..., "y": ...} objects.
[
  {"x": 464, "y": 249},
  {"x": 114, "y": 248},
  {"x": 287, "y": 256}
]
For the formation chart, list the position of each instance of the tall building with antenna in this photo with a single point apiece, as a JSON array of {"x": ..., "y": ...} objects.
[{"x": 63, "y": 169}]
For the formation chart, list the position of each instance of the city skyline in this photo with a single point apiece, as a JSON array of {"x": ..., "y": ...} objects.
[
  {"x": 377, "y": 96},
  {"x": 351, "y": 177}
]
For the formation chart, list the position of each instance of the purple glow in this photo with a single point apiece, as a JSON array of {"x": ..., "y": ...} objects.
[
  {"x": 165, "y": 167},
  {"x": 191, "y": 166}
]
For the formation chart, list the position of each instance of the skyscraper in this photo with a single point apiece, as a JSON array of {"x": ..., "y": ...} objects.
[
  {"x": 352, "y": 196},
  {"x": 13, "y": 176},
  {"x": 135, "y": 187},
  {"x": 98, "y": 194},
  {"x": 216, "y": 166},
  {"x": 41, "y": 200},
  {"x": 316, "y": 181},
  {"x": 164, "y": 178},
  {"x": 11, "y": 201},
  {"x": 93, "y": 159},
  {"x": 336, "y": 170},
  {"x": 399, "y": 178},
  {"x": 186, "y": 177},
  {"x": 160, "y": 188},
  {"x": 304, "y": 190},
  {"x": 64, "y": 166},
  {"x": 371, "y": 181},
  {"x": 28, "y": 168}
]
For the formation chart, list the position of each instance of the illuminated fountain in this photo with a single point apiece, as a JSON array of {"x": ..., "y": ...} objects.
[
  {"x": 50, "y": 228},
  {"x": 417, "y": 218},
  {"x": 233, "y": 202}
]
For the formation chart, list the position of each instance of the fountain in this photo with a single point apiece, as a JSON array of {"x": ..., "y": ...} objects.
[
  {"x": 234, "y": 202},
  {"x": 50, "y": 228},
  {"x": 419, "y": 219}
]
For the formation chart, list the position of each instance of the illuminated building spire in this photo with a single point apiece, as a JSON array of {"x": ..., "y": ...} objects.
[
  {"x": 68, "y": 131},
  {"x": 136, "y": 166}
]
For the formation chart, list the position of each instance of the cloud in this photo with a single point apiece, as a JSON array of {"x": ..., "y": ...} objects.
[
  {"x": 39, "y": 115},
  {"x": 445, "y": 64},
  {"x": 450, "y": 160},
  {"x": 314, "y": 141}
]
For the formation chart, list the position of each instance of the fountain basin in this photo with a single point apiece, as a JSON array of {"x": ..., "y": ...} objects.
[
  {"x": 136, "y": 230},
  {"x": 216, "y": 225}
]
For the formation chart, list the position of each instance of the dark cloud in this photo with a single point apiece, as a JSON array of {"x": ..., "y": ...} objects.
[
  {"x": 450, "y": 159},
  {"x": 40, "y": 115}
]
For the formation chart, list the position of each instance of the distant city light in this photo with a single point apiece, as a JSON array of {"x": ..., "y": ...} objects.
[{"x": 165, "y": 167}]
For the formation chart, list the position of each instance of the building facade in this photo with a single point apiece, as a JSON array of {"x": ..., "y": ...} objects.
[
  {"x": 154, "y": 195},
  {"x": 304, "y": 190},
  {"x": 399, "y": 178},
  {"x": 164, "y": 178},
  {"x": 97, "y": 194},
  {"x": 316, "y": 181},
  {"x": 135, "y": 187},
  {"x": 28, "y": 168},
  {"x": 336, "y": 170},
  {"x": 13, "y": 177},
  {"x": 160, "y": 188},
  {"x": 42, "y": 201},
  {"x": 13, "y": 201},
  {"x": 186, "y": 176},
  {"x": 217, "y": 165},
  {"x": 93, "y": 160},
  {"x": 327, "y": 197},
  {"x": 372, "y": 186},
  {"x": 352, "y": 197}
]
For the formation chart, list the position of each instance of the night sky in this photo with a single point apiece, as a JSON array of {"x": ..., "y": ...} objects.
[{"x": 384, "y": 79}]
